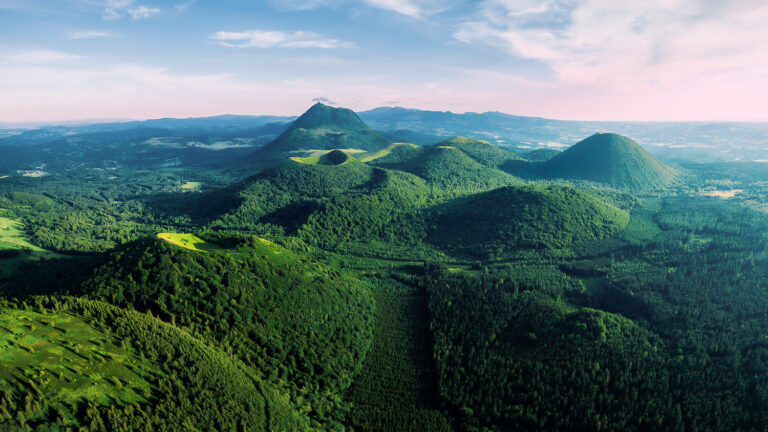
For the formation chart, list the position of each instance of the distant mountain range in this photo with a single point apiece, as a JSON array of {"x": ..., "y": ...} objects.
[{"x": 222, "y": 141}]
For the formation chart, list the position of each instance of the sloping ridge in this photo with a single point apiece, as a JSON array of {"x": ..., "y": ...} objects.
[
  {"x": 455, "y": 164},
  {"x": 481, "y": 151},
  {"x": 611, "y": 159},
  {"x": 326, "y": 128}
]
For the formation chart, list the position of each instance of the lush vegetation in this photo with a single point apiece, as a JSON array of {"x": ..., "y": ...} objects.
[
  {"x": 363, "y": 286},
  {"x": 396, "y": 388},
  {"x": 301, "y": 324},
  {"x": 606, "y": 158},
  {"x": 326, "y": 128},
  {"x": 505, "y": 220},
  {"x": 182, "y": 383}
]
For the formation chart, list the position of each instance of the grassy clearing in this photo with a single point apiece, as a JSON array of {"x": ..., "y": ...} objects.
[
  {"x": 313, "y": 157},
  {"x": 65, "y": 361},
  {"x": 722, "y": 193},
  {"x": 369, "y": 156},
  {"x": 15, "y": 248},
  {"x": 189, "y": 241},
  {"x": 191, "y": 186},
  {"x": 12, "y": 236}
]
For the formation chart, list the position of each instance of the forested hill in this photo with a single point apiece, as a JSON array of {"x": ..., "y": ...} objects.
[
  {"x": 299, "y": 324},
  {"x": 611, "y": 159},
  {"x": 326, "y": 128}
]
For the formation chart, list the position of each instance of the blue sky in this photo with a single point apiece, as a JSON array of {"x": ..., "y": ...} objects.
[{"x": 569, "y": 59}]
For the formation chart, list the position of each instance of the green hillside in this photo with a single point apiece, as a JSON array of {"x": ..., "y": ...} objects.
[
  {"x": 299, "y": 323},
  {"x": 394, "y": 151},
  {"x": 540, "y": 155},
  {"x": 452, "y": 171},
  {"x": 611, "y": 159},
  {"x": 496, "y": 223},
  {"x": 510, "y": 356},
  {"x": 326, "y": 128},
  {"x": 286, "y": 194},
  {"x": 75, "y": 364},
  {"x": 481, "y": 151}
]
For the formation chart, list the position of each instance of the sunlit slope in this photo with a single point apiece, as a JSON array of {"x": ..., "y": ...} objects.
[
  {"x": 288, "y": 317},
  {"x": 70, "y": 364}
]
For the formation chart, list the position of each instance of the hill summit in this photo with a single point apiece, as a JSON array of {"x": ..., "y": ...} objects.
[
  {"x": 611, "y": 159},
  {"x": 324, "y": 127}
]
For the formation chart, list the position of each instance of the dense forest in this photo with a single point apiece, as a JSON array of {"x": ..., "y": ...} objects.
[{"x": 449, "y": 286}]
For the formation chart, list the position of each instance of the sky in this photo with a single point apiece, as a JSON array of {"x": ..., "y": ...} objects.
[{"x": 657, "y": 60}]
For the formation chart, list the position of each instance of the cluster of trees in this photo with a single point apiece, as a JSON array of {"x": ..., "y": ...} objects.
[
  {"x": 506, "y": 220},
  {"x": 665, "y": 332},
  {"x": 197, "y": 388},
  {"x": 396, "y": 388},
  {"x": 304, "y": 326}
]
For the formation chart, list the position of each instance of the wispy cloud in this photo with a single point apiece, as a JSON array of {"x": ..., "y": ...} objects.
[
  {"x": 181, "y": 7},
  {"x": 90, "y": 34},
  {"x": 601, "y": 42},
  {"x": 405, "y": 7},
  {"x": 276, "y": 39},
  {"x": 40, "y": 56},
  {"x": 297, "y": 5},
  {"x": 117, "y": 9},
  {"x": 142, "y": 12}
]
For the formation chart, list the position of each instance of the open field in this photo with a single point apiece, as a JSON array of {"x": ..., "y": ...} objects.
[
  {"x": 63, "y": 361},
  {"x": 722, "y": 193},
  {"x": 189, "y": 241},
  {"x": 191, "y": 186},
  {"x": 12, "y": 236},
  {"x": 15, "y": 248},
  {"x": 369, "y": 156}
]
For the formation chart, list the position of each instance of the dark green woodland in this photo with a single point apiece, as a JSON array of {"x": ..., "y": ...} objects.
[{"x": 338, "y": 279}]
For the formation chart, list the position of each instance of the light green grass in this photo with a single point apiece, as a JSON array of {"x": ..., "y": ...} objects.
[
  {"x": 191, "y": 186},
  {"x": 189, "y": 241},
  {"x": 65, "y": 361},
  {"x": 12, "y": 236},
  {"x": 369, "y": 156},
  {"x": 14, "y": 239}
]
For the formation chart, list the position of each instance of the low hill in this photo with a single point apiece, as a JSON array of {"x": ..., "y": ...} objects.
[
  {"x": 451, "y": 169},
  {"x": 495, "y": 223},
  {"x": 325, "y": 128},
  {"x": 481, "y": 151},
  {"x": 333, "y": 157},
  {"x": 286, "y": 191},
  {"x": 611, "y": 159},
  {"x": 391, "y": 152},
  {"x": 297, "y": 322}
]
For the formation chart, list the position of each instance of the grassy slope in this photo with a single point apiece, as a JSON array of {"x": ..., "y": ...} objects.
[
  {"x": 189, "y": 241},
  {"x": 69, "y": 361},
  {"x": 378, "y": 154},
  {"x": 16, "y": 249}
]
